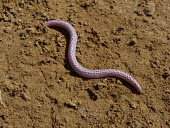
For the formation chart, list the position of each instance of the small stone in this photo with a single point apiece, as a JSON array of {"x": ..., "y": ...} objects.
[
  {"x": 133, "y": 105},
  {"x": 85, "y": 24},
  {"x": 19, "y": 20},
  {"x": 119, "y": 82},
  {"x": 132, "y": 42},
  {"x": 60, "y": 44},
  {"x": 82, "y": 112},
  {"x": 149, "y": 9},
  {"x": 26, "y": 97},
  {"x": 70, "y": 104}
]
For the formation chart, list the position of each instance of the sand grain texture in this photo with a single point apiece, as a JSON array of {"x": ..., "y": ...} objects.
[{"x": 38, "y": 86}]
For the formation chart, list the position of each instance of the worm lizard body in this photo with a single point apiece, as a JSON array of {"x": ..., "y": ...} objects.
[{"x": 87, "y": 73}]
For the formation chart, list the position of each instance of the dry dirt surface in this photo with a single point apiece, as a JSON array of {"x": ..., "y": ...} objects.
[{"x": 38, "y": 87}]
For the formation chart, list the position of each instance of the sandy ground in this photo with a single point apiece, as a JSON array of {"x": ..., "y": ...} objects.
[{"x": 38, "y": 87}]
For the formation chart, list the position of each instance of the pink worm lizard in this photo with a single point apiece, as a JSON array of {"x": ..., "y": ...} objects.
[{"x": 87, "y": 73}]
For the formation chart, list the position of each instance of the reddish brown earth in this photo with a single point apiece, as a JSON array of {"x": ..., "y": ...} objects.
[{"x": 38, "y": 87}]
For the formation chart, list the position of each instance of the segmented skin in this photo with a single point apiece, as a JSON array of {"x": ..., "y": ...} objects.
[{"x": 87, "y": 72}]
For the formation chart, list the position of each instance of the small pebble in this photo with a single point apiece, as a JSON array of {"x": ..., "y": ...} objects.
[
  {"x": 82, "y": 112},
  {"x": 133, "y": 105},
  {"x": 149, "y": 9},
  {"x": 132, "y": 42},
  {"x": 25, "y": 96},
  {"x": 70, "y": 104},
  {"x": 119, "y": 82}
]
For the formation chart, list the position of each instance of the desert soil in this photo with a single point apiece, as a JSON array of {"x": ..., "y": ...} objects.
[{"x": 38, "y": 87}]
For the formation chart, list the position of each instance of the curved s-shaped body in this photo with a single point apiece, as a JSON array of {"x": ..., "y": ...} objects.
[{"x": 87, "y": 72}]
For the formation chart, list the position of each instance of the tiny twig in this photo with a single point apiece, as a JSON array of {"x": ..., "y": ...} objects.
[{"x": 1, "y": 100}]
